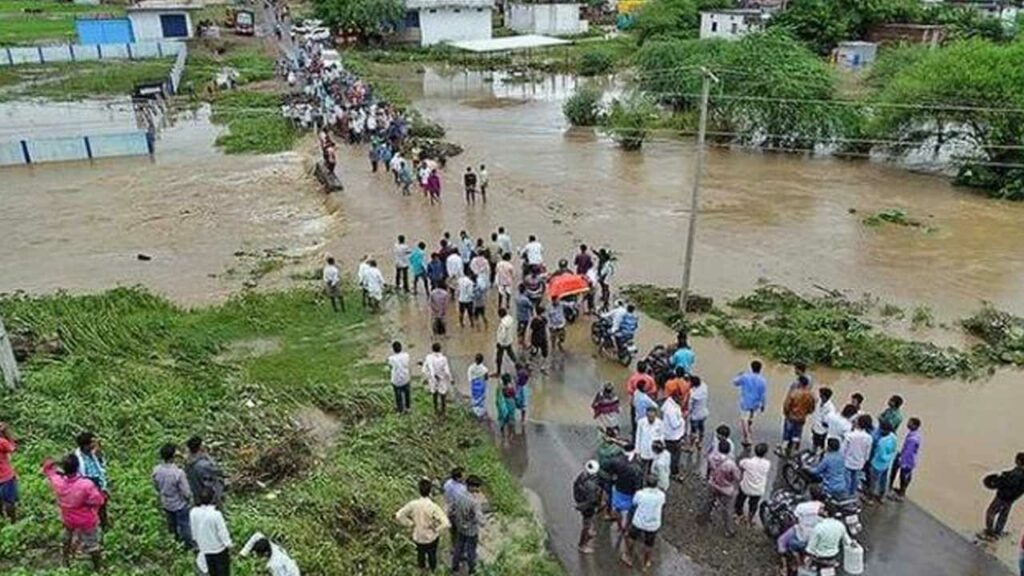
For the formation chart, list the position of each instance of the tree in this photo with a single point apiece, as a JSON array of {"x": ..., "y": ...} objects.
[
  {"x": 369, "y": 17},
  {"x": 968, "y": 93},
  {"x": 774, "y": 92},
  {"x": 822, "y": 24}
]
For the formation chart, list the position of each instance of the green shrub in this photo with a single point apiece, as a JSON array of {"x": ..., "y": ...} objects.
[
  {"x": 629, "y": 120},
  {"x": 583, "y": 108},
  {"x": 595, "y": 62}
]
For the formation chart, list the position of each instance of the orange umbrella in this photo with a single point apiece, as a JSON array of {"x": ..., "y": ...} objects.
[{"x": 567, "y": 285}]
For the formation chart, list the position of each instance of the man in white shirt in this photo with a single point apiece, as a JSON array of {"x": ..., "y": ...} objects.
[
  {"x": 648, "y": 430},
  {"x": 210, "y": 533},
  {"x": 402, "y": 253},
  {"x": 615, "y": 315},
  {"x": 439, "y": 377},
  {"x": 533, "y": 252},
  {"x": 839, "y": 424},
  {"x": 484, "y": 180},
  {"x": 857, "y": 452},
  {"x": 504, "y": 240},
  {"x": 455, "y": 267},
  {"x": 827, "y": 539},
  {"x": 464, "y": 289},
  {"x": 674, "y": 426},
  {"x": 373, "y": 282},
  {"x": 504, "y": 279},
  {"x": 647, "y": 505},
  {"x": 332, "y": 284},
  {"x": 819, "y": 419},
  {"x": 400, "y": 378},
  {"x": 753, "y": 483},
  {"x": 505, "y": 337},
  {"x": 278, "y": 561},
  {"x": 364, "y": 267}
]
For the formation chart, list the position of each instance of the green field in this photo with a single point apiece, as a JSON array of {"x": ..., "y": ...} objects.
[
  {"x": 80, "y": 80},
  {"x": 140, "y": 371},
  {"x": 46, "y": 21}
]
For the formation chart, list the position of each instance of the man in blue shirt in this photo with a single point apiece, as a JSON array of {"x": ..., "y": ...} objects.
[
  {"x": 418, "y": 265},
  {"x": 832, "y": 470},
  {"x": 753, "y": 390},
  {"x": 684, "y": 356},
  {"x": 628, "y": 325}
]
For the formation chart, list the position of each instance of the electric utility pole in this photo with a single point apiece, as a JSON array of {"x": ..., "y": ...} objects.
[
  {"x": 8, "y": 367},
  {"x": 691, "y": 231}
]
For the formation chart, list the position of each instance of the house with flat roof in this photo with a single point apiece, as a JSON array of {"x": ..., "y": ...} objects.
[
  {"x": 731, "y": 24},
  {"x": 162, "y": 19},
  {"x": 545, "y": 17},
  {"x": 432, "y": 22}
]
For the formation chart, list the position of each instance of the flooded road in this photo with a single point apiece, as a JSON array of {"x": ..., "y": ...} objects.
[{"x": 80, "y": 226}]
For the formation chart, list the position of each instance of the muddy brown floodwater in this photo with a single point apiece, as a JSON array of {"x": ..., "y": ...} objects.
[{"x": 784, "y": 218}]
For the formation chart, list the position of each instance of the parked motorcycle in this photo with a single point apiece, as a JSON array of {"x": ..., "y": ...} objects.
[
  {"x": 777, "y": 512},
  {"x": 601, "y": 334}
]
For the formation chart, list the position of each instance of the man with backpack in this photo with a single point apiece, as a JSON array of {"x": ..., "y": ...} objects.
[{"x": 586, "y": 492}]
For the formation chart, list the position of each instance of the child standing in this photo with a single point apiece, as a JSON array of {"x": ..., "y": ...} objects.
[{"x": 907, "y": 460}]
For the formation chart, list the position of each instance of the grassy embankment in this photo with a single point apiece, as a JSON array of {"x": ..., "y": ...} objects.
[
  {"x": 68, "y": 81},
  {"x": 834, "y": 331},
  {"x": 24, "y": 22},
  {"x": 252, "y": 112},
  {"x": 140, "y": 372}
]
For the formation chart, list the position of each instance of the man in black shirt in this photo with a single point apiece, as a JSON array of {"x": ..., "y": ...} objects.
[
  {"x": 469, "y": 181},
  {"x": 1009, "y": 487},
  {"x": 627, "y": 477}
]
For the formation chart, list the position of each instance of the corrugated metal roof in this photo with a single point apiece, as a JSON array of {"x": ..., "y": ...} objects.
[{"x": 425, "y": 4}]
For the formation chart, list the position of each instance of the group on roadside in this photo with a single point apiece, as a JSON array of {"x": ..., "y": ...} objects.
[{"x": 462, "y": 517}]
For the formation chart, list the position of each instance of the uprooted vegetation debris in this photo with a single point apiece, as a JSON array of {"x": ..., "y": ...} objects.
[{"x": 833, "y": 330}]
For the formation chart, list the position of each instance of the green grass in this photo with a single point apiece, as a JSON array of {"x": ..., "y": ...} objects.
[
  {"x": 140, "y": 371},
  {"x": 255, "y": 123},
  {"x": 79, "y": 80},
  {"x": 54, "y": 23},
  {"x": 252, "y": 65}
]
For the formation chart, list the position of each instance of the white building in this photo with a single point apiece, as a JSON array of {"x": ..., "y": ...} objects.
[
  {"x": 160, "y": 20},
  {"x": 855, "y": 55},
  {"x": 448, "y": 20},
  {"x": 556, "y": 19},
  {"x": 731, "y": 24}
]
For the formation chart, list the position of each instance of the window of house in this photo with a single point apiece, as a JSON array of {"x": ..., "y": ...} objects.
[
  {"x": 457, "y": 10},
  {"x": 432, "y": 11},
  {"x": 479, "y": 9}
]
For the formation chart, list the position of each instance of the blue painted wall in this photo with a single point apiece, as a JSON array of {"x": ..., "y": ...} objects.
[{"x": 104, "y": 31}]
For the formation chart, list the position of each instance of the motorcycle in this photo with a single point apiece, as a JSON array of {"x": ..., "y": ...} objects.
[
  {"x": 797, "y": 477},
  {"x": 601, "y": 334},
  {"x": 777, "y": 512},
  {"x": 659, "y": 364}
]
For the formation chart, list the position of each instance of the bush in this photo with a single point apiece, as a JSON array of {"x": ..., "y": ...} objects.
[
  {"x": 255, "y": 123},
  {"x": 594, "y": 63},
  {"x": 583, "y": 108},
  {"x": 629, "y": 120}
]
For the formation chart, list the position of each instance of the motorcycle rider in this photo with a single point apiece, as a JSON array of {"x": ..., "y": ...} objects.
[
  {"x": 614, "y": 316},
  {"x": 792, "y": 542},
  {"x": 826, "y": 543},
  {"x": 628, "y": 325},
  {"x": 832, "y": 470}
]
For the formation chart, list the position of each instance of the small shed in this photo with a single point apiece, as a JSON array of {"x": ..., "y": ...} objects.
[
  {"x": 162, "y": 19},
  {"x": 554, "y": 18},
  {"x": 855, "y": 55},
  {"x": 437, "y": 21}
]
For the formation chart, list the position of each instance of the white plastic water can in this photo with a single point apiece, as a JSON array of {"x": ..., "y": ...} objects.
[{"x": 853, "y": 558}]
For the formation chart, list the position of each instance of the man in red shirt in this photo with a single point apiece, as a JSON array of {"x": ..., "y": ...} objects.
[
  {"x": 8, "y": 479},
  {"x": 79, "y": 500},
  {"x": 641, "y": 379}
]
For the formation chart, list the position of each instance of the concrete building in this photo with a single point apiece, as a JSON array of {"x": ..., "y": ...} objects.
[
  {"x": 855, "y": 55},
  {"x": 434, "y": 21},
  {"x": 551, "y": 18},
  {"x": 932, "y": 34},
  {"x": 162, "y": 19},
  {"x": 731, "y": 24}
]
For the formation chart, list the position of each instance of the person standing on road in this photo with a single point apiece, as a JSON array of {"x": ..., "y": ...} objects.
[
  {"x": 605, "y": 271},
  {"x": 857, "y": 453},
  {"x": 433, "y": 187},
  {"x": 649, "y": 430},
  {"x": 647, "y": 507},
  {"x": 505, "y": 338},
  {"x": 698, "y": 413},
  {"x": 627, "y": 478},
  {"x": 374, "y": 283},
  {"x": 332, "y": 285},
  {"x": 211, "y": 535},
  {"x": 524, "y": 313},
  {"x": 464, "y": 289},
  {"x": 436, "y": 271},
  {"x": 175, "y": 495},
  {"x": 1009, "y": 487},
  {"x": 907, "y": 460},
  {"x": 606, "y": 409},
  {"x": 522, "y": 392},
  {"x": 8, "y": 478},
  {"x": 533, "y": 254},
  {"x": 723, "y": 484},
  {"x": 674, "y": 423},
  {"x": 586, "y": 492},
  {"x": 480, "y": 288},
  {"x": 79, "y": 500},
  {"x": 477, "y": 375},
  {"x": 753, "y": 391},
  {"x": 556, "y": 323},
  {"x": 439, "y": 378},
  {"x": 402, "y": 261},
  {"x": 539, "y": 337},
  {"x": 883, "y": 455},
  {"x": 504, "y": 279},
  {"x": 467, "y": 517},
  {"x": 798, "y": 405},
  {"x": 661, "y": 466},
  {"x": 583, "y": 261},
  {"x": 438, "y": 301},
  {"x": 469, "y": 180},
  {"x": 823, "y": 410},
  {"x": 642, "y": 402},
  {"x": 418, "y": 266},
  {"x": 753, "y": 483},
  {"x": 639, "y": 380},
  {"x": 684, "y": 357},
  {"x": 401, "y": 378},
  {"x": 484, "y": 181},
  {"x": 427, "y": 521}
]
